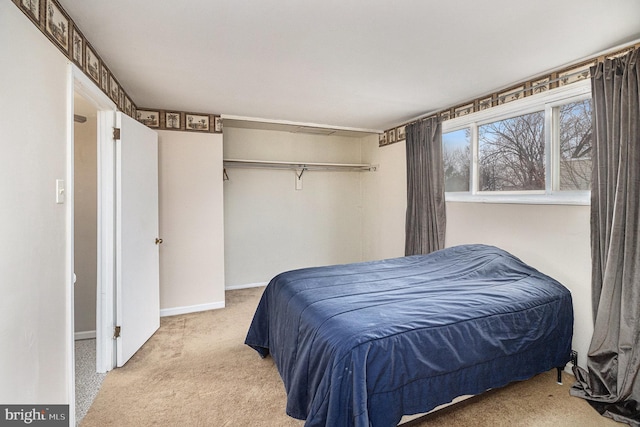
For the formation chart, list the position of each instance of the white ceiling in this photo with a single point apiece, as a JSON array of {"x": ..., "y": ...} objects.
[{"x": 366, "y": 64}]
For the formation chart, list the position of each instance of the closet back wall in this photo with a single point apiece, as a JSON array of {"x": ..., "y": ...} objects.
[{"x": 270, "y": 226}]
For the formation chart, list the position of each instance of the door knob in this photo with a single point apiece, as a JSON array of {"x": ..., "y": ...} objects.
[{"x": 158, "y": 241}]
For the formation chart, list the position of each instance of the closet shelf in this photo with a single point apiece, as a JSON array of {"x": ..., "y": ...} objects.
[{"x": 301, "y": 166}]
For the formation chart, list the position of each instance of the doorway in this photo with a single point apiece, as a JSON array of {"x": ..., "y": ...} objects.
[
  {"x": 126, "y": 276},
  {"x": 85, "y": 217},
  {"x": 88, "y": 380},
  {"x": 94, "y": 278}
]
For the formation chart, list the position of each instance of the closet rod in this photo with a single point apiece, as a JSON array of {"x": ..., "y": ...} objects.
[{"x": 268, "y": 164}]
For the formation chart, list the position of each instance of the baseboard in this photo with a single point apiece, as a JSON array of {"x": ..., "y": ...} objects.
[
  {"x": 84, "y": 335},
  {"x": 191, "y": 309},
  {"x": 248, "y": 285}
]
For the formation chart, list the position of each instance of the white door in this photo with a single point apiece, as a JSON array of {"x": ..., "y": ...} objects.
[{"x": 137, "y": 250}]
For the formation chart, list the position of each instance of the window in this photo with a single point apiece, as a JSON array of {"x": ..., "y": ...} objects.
[
  {"x": 511, "y": 154},
  {"x": 575, "y": 145},
  {"x": 537, "y": 149},
  {"x": 456, "y": 151}
]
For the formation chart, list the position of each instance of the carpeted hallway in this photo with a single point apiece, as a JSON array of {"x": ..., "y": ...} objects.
[{"x": 196, "y": 371}]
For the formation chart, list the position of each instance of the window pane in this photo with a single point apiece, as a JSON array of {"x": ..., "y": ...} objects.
[
  {"x": 456, "y": 153},
  {"x": 575, "y": 146},
  {"x": 511, "y": 154}
]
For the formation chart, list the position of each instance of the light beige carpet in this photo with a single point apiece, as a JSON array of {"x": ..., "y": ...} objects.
[{"x": 196, "y": 371}]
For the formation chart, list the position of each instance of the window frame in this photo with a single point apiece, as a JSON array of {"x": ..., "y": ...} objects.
[{"x": 547, "y": 102}]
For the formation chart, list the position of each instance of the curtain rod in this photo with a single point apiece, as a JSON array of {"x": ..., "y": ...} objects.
[{"x": 268, "y": 164}]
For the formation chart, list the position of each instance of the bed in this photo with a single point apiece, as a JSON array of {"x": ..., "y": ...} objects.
[{"x": 364, "y": 344}]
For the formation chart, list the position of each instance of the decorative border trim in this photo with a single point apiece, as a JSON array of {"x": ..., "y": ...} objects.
[
  {"x": 77, "y": 47},
  {"x": 183, "y": 121},
  {"x": 92, "y": 67},
  {"x": 59, "y": 28},
  {"x": 542, "y": 83},
  {"x": 31, "y": 8},
  {"x": 57, "y": 25},
  {"x": 148, "y": 117}
]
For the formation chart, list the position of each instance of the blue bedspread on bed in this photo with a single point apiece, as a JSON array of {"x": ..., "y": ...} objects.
[{"x": 362, "y": 344}]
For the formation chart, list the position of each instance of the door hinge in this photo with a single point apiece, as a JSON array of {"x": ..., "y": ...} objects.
[
  {"x": 116, "y": 133},
  {"x": 116, "y": 332}
]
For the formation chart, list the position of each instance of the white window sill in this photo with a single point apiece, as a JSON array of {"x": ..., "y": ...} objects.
[{"x": 581, "y": 198}]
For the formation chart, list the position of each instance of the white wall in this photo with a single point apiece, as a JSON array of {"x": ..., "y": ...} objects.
[
  {"x": 552, "y": 238},
  {"x": 270, "y": 226},
  {"x": 85, "y": 224},
  {"x": 191, "y": 221},
  {"x": 34, "y": 329},
  {"x": 384, "y": 200}
]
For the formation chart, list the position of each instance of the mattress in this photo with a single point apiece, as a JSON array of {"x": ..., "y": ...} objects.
[{"x": 364, "y": 344}]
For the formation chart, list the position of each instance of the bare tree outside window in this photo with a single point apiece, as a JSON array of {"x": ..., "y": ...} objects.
[
  {"x": 575, "y": 146},
  {"x": 511, "y": 154},
  {"x": 456, "y": 152}
]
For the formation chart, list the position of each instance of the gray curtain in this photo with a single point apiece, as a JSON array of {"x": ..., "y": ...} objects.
[
  {"x": 611, "y": 382},
  {"x": 426, "y": 220}
]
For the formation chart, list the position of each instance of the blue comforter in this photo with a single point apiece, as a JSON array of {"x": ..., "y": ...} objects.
[{"x": 362, "y": 344}]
